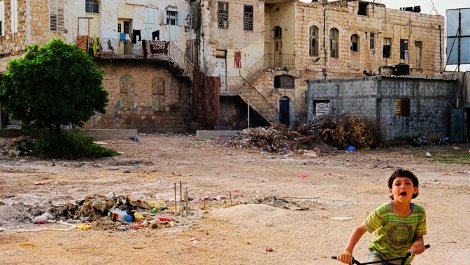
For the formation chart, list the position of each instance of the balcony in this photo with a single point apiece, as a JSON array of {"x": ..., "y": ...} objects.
[{"x": 109, "y": 48}]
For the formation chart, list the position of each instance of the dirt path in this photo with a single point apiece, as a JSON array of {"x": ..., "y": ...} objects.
[{"x": 327, "y": 188}]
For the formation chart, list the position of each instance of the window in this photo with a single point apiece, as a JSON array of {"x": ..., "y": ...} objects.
[
  {"x": 355, "y": 43},
  {"x": 387, "y": 48},
  {"x": 404, "y": 49},
  {"x": 402, "y": 107},
  {"x": 322, "y": 107},
  {"x": 56, "y": 15},
  {"x": 91, "y": 6},
  {"x": 419, "y": 53},
  {"x": 313, "y": 44},
  {"x": 277, "y": 39},
  {"x": 284, "y": 81},
  {"x": 372, "y": 41},
  {"x": 2, "y": 18},
  {"x": 14, "y": 16},
  {"x": 158, "y": 94},
  {"x": 127, "y": 92},
  {"x": 222, "y": 15},
  {"x": 363, "y": 8},
  {"x": 248, "y": 17},
  {"x": 334, "y": 43},
  {"x": 172, "y": 17}
]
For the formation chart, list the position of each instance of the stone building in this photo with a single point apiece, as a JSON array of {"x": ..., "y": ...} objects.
[
  {"x": 263, "y": 52},
  {"x": 268, "y": 65},
  {"x": 139, "y": 45}
]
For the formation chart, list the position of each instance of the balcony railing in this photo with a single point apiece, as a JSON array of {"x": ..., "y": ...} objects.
[{"x": 276, "y": 60}]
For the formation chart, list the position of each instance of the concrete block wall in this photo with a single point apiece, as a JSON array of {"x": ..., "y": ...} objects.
[{"x": 431, "y": 101}]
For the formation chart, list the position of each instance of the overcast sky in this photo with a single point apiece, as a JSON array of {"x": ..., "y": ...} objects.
[{"x": 427, "y": 5}]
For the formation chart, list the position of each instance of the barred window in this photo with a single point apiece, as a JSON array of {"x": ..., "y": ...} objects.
[
  {"x": 91, "y": 6},
  {"x": 56, "y": 15},
  {"x": 248, "y": 17},
  {"x": 284, "y": 81},
  {"x": 222, "y": 15}
]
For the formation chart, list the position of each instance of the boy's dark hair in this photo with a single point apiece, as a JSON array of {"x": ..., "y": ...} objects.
[{"x": 404, "y": 174}]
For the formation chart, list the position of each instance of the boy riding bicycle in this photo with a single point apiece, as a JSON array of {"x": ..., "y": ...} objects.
[{"x": 399, "y": 226}]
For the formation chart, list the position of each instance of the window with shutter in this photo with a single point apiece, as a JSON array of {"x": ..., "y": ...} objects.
[{"x": 56, "y": 15}]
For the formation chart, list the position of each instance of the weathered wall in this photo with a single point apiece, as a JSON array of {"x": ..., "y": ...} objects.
[
  {"x": 431, "y": 101},
  {"x": 169, "y": 114}
]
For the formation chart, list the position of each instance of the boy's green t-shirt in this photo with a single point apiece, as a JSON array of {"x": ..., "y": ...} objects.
[{"x": 394, "y": 234}]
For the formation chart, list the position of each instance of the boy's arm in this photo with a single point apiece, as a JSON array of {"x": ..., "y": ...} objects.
[
  {"x": 418, "y": 246},
  {"x": 346, "y": 256}
]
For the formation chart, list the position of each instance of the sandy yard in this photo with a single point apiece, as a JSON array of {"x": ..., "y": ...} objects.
[{"x": 302, "y": 208}]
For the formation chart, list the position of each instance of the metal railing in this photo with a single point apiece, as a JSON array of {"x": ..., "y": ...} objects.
[
  {"x": 181, "y": 59},
  {"x": 279, "y": 60},
  {"x": 116, "y": 47}
]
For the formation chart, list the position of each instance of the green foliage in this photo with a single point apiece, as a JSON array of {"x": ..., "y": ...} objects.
[
  {"x": 459, "y": 156},
  {"x": 344, "y": 130},
  {"x": 70, "y": 145},
  {"x": 51, "y": 86}
]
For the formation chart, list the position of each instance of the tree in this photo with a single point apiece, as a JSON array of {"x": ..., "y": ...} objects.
[{"x": 53, "y": 85}]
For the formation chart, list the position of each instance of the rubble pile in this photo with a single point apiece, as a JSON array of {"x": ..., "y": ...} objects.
[{"x": 280, "y": 139}]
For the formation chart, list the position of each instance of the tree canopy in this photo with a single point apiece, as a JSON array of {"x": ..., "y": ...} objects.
[{"x": 53, "y": 85}]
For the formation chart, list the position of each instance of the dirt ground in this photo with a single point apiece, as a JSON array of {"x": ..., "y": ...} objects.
[{"x": 285, "y": 209}]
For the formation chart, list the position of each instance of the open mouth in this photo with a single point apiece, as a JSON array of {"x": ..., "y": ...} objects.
[{"x": 403, "y": 193}]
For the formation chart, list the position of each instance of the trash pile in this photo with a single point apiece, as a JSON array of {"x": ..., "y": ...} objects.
[
  {"x": 280, "y": 139},
  {"x": 118, "y": 212}
]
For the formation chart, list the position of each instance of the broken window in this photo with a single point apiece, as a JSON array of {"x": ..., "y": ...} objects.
[
  {"x": 387, "y": 48},
  {"x": 91, "y": 6},
  {"x": 334, "y": 43},
  {"x": 248, "y": 17},
  {"x": 172, "y": 17},
  {"x": 404, "y": 49},
  {"x": 355, "y": 43},
  {"x": 402, "y": 107},
  {"x": 363, "y": 8},
  {"x": 284, "y": 81},
  {"x": 222, "y": 15},
  {"x": 277, "y": 39},
  {"x": 313, "y": 44},
  {"x": 2, "y": 18},
  {"x": 126, "y": 90},
  {"x": 372, "y": 41},
  {"x": 158, "y": 94},
  {"x": 322, "y": 107},
  {"x": 56, "y": 15},
  {"x": 419, "y": 53}
]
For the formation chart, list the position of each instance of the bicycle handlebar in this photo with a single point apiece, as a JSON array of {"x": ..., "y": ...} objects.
[{"x": 408, "y": 254}]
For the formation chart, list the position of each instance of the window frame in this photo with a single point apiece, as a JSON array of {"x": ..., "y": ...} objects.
[
  {"x": 372, "y": 41},
  {"x": 355, "y": 43},
  {"x": 248, "y": 17},
  {"x": 387, "y": 48},
  {"x": 334, "y": 43},
  {"x": 313, "y": 41},
  {"x": 403, "y": 107},
  {"x": 284, "y": 82},
  {"x": 56, "y": 11},
  {"x": 172, "y": 17},
  {"x": 222, "y": 15},
  {"x": 92, "y": 6}
]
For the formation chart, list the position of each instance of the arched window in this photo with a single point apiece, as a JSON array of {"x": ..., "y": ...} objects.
[
  {"x": 92, "y": 6},
  {"x": 126, "y": 90},
  {"x": 355, "y": 43},
  {"x": 313, "y": 44},
  {"x": 284, "y": 81},
  {"x": 158, "y": 93},
  {"x": 334, "y": 43}
]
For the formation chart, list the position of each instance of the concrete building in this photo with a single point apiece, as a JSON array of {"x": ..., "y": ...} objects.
[{"x": 405, "y": 106}]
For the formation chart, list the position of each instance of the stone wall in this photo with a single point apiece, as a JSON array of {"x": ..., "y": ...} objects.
[
  {"x": 430, "y": 103},
  {"x": 141, "y": 104}
]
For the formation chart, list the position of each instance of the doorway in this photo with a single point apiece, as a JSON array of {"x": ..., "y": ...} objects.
[{"x": 284, "y": 111}]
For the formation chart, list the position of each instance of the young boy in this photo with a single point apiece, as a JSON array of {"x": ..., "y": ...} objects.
[{"x": 398, "y": 226}]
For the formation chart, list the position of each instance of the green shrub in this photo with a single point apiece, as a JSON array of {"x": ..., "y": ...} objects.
[{"x": 70, "y": 145}]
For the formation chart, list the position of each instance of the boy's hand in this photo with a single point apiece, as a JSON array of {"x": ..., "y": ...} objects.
[
  {"x": 345, "y": 257},
  {"x": 417, "y": 247}
]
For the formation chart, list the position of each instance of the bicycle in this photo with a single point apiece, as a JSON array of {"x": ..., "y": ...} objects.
[{"x": 403, "y": 259}]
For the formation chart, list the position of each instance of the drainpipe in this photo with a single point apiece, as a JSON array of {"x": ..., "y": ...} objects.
[{"x": 440, "y": 49}]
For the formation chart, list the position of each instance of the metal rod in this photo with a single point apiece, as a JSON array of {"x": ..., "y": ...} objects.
[
  {"x": 181, "y": 198},
  {"x": 176, "y": 206},
  {"x": 186, "y": 198}
]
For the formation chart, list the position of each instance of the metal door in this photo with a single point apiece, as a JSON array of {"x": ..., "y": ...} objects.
[
  {"x": 221, "y": 70},
  {"x": 284, "y": 111}
]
